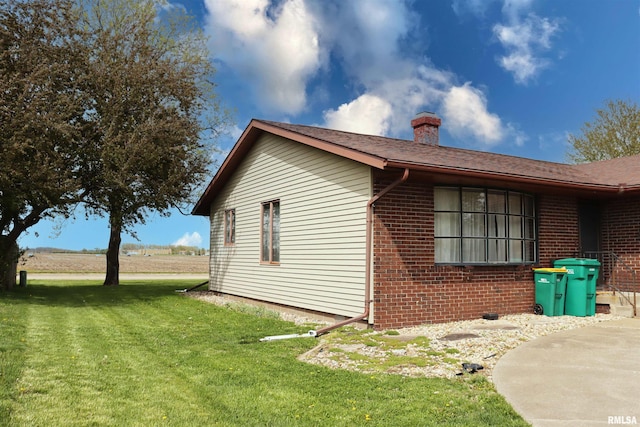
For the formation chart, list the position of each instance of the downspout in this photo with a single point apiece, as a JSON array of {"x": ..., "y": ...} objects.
[{"x": 368, "y": 256}]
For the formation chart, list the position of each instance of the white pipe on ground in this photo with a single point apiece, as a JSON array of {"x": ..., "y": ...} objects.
[{"x": 310, "y": 334}]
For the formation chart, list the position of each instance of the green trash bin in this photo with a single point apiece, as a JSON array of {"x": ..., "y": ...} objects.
[
  {"x": 551, "y": 284},
  {"x": 582, "y": 276}
]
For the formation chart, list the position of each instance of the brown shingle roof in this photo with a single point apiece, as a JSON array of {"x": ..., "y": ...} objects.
[
  {"x": 623, "y": 171},
  {"x": 381, "y": 152},
  {"x": 402, "y": 152}
]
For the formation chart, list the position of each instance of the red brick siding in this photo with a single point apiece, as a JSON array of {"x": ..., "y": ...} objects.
[
  {"x": 558, "y": 232},
  {"x": 409, "y": 289},
  {"x": 621, "y": 235},
  {"x": 425, "y": 129}
]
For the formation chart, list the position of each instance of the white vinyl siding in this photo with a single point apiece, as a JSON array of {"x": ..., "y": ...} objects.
[{"x": 322, "y": 200}]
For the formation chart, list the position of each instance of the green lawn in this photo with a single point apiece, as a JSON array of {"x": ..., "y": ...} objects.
[{"x": 80, "y": 354}]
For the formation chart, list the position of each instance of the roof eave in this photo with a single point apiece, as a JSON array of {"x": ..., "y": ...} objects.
[
  {"x": 242, "y": 145},
  {"x": 250, "y": 135},
  {"x": 628, "y": 189},
  {"x": 328, "y": 146},
  {"x": 473, "y": 173}
]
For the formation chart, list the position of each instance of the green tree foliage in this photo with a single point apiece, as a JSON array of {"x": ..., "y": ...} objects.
[
  {"x": 41, "y": 117},
  {"x": 614, "y": 132},
  {"x": 150, "y": 90}
]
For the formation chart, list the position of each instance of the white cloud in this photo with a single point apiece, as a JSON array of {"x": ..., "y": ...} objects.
[
  {"x": 365, "y": 36},
  {"x": 235, "y": 133},
  {"x": 525, "y": 40},
  {"x": 392, "y": 85},
  {"x": 513, "y": 9},
  {"x": 475, "y": 7},
  {"x": 468, "y": 117},
  {"x": 367, "y": 114},
  {"x": 515, "y": 134},
  {"x": 193, "y": 239},
  {"x": 525, "y": 36},
  {"x": 277, "y": 48},
  {"x": 465, "y": 110},
  {"x": 387, "y": 107},
  {"x": 389, "y": 86}
]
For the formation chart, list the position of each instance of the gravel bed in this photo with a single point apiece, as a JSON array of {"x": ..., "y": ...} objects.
[
  {"x": 446, "y": 347},
  {"x": 435, "y": 350}
]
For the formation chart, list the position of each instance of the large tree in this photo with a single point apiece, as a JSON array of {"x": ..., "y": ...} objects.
[
  {"x": 41, "y": 117},
  {"x": 152, "y": 103},
  {"x": 614, "y": 132}
]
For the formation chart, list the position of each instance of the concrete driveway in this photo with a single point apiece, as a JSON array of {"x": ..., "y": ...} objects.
[{"x": 582, "y": 377}]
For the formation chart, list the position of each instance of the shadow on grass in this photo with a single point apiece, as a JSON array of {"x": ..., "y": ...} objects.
[{"x": 93, "y": 293}]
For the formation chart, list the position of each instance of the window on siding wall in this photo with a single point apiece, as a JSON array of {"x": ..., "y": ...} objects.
[
  {"x": 230, "y": 227},
  {"x": 270, "y": 232},
  {"x": 484, "y": 226}
]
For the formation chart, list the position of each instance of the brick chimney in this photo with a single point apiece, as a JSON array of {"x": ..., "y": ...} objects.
[{"x": 425, "y": 128}]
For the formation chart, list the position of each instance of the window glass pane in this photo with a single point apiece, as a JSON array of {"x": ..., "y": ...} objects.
[
  {"x": 473, "y": 250},
  {"x": 529, "y": 209},
  {"x": 515, "y": 203},
  {"x": 229, "y": 226},
  {"x": 497, "y": 250},
  {"x": 275, "y": 234},
  {"x": 473, "y": 200},
  {"x": 497, "y": 201},
  {"x": 529, "y": 228},
  {"x": 447, "y": 224},
  {"x": 447, "y": 250},
  {"x": 515, "y": 226},
  {"x": 497, "y": 225},
  {"x": 232, "y": 226},
  {"x": 226, "y": 226},
  {"x": 473, "y": 225},
  {"x": 493, "y": 226},
  {"x": 446, "y": 199},
  {"x": 266, "y": 242},
  {"x": 529, "y": 251},
  {"x": 515, "y": 250}
]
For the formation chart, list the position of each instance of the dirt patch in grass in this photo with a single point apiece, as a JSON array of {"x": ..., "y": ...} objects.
[{"x": 88, "y": 263}]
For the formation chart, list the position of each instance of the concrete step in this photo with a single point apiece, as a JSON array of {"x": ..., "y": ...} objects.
[
  {"x": 607, "y": 298},
  {"x": 621, "y": 310},
  {"x": 618, "y": 305}
]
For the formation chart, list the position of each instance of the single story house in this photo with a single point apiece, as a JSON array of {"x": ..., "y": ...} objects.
[{"x": 398, "y": 233}]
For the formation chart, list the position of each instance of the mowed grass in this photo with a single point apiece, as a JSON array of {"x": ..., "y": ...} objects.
[{"x": 80, "y": 354}]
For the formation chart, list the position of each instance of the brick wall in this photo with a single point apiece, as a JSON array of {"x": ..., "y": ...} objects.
[
  {"x": 558, "y": 228},
  {"x": 621, "y": 235},
  {"x": 409, "y": 289}
]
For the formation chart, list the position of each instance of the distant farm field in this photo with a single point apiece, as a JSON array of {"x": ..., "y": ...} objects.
[{"x": 88, "y": 263}]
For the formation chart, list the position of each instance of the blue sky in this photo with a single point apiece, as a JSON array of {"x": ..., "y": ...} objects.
[{"x": 513, "y": 77}]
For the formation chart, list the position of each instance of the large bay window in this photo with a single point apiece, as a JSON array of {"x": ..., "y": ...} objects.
[{"x": 484, "y": 226}]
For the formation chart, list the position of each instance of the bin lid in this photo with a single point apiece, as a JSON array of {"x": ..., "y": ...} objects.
[
  {"x": 576, "y": 262},
  {"x": 550, "y": 270}
]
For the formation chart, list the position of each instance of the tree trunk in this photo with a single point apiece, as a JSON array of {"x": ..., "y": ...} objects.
[
  {"x": 113, "y": 253},
  {"x": 8, "y": 263}
]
